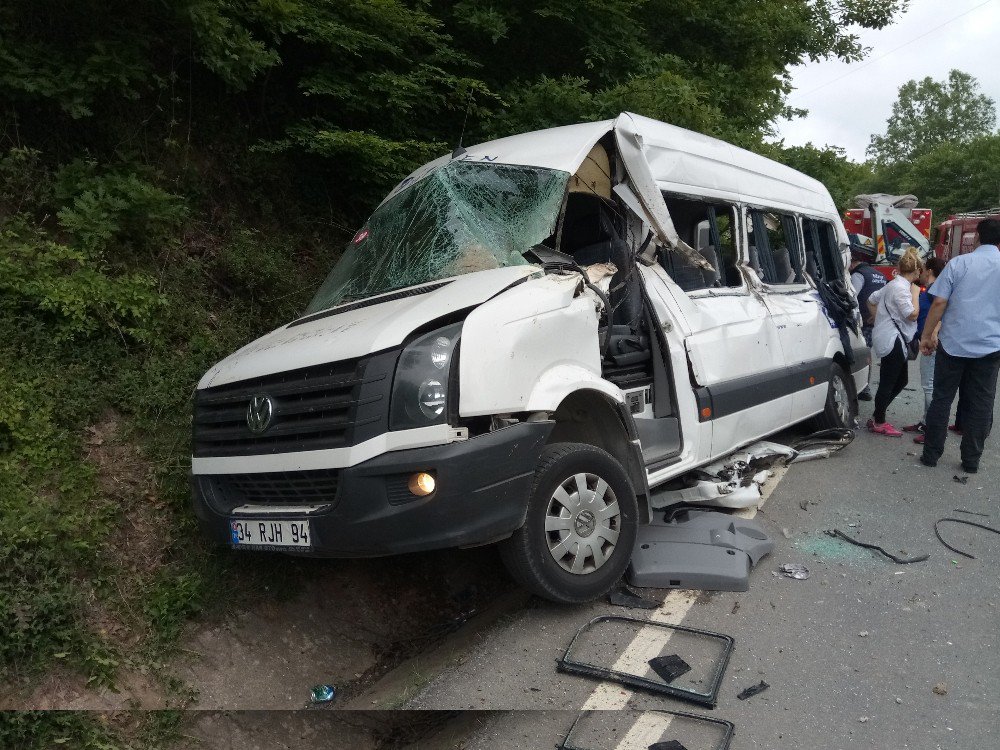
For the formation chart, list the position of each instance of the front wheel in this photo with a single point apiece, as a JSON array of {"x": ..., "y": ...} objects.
[
  {"x": 580, "y": 528},
  {"x": 841, "y": 404}
]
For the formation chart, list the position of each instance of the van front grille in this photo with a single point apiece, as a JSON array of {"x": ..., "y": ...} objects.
[
  {"x": 227, "y": 491},
  {"x": 332, "y": 405}
]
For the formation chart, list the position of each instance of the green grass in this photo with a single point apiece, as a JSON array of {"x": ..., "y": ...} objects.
[
  {"x": 108, "y": 318},
  {"x": 85, "y": 730}
]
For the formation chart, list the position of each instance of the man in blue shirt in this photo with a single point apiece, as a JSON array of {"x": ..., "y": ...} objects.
[{"x": 967, "y": 304}]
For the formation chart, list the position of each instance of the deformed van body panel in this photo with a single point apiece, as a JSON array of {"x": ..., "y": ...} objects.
[
  {"x": 360, "y": 331},
  {"x": 691, "y": 163},
  {"x": 562, "y": 148},
  {"x": 529, "y": 348}
]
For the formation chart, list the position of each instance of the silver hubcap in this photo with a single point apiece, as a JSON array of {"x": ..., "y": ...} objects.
[
  {"x": 582, "y": 523},
  {"x": 841, "y": 401}
]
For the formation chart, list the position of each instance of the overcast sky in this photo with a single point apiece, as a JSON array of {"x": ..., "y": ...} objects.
[{"x": 847, "y": 103}]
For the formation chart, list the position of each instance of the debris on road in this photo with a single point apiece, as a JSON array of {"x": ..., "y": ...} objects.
[
  {"x": 695, "y": 548},
  {"x": 794, "y": 570},
  {"x": 863, "y": 634},
  {"x": 625, "y": 596},
  {"x": 669, "y": 668},
  {"x": 895, "y": 558},
  {"x": 940, "y": 689},
  {"x": 967, "y": 523},
  {"x": 322, "y": 694},
  {"x": 735, "y": 481},
  {"x": 732, "y": 482},
  {"x": 751, "y": 691},
  {"x": 964, "y": 479},
  {"x": 598, "y": 730},
  {"x": 615, "y": 626},
  {"x": 822, "y": 444}
]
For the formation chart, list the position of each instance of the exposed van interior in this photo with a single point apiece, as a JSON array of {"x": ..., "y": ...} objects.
[
  {"x": 709, "y": 229},
  {"x": 823, "y": 260},
  {"x": 592, "y": 230}
]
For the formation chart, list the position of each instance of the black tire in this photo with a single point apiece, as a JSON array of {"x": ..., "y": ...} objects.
[
  {"x": 841, "y": 406},
  {"x": 531, "y": 553}
]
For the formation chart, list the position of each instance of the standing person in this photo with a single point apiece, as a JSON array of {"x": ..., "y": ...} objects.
[
  {"x": 865, "y": 280},
  {"x": 967, "y": 304},
  {"x": 895, "y": 308},
  {"x": 931, "y": 271}
]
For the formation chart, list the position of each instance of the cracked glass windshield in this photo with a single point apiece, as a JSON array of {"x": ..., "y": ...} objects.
[{"x": 463, "y": 217}]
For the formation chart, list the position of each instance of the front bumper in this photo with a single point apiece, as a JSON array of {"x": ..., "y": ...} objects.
[{"x": 482, "y": 495}]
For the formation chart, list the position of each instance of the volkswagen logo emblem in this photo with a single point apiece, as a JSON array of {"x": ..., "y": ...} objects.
[{"x": 259, "y": 413}]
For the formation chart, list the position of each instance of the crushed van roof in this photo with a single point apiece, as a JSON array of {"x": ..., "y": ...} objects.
[{"x": 681, "y": 161}]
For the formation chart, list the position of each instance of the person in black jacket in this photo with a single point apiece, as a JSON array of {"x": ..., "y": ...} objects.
[{"x": 865, "y": 280}]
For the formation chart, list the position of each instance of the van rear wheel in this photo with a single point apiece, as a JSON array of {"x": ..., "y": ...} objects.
[
  {"x": 580, "y": 528},
  {"x": 841, "y": 404}
]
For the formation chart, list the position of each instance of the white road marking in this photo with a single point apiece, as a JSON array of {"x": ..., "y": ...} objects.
[
  {"x": 649, "y": 642},
  {"x": 648, "y": 728}
]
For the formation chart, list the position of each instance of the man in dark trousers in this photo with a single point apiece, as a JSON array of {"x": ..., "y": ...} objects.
[
  {"x": 967, "y": 303},
  {"x": 865, "y": 280}
]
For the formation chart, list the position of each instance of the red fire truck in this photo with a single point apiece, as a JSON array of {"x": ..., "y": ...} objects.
[
  {"x": 884, "y": 226},
  {"x": 957, "y": 234}
]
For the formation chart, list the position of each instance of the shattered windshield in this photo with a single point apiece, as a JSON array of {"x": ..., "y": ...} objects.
[{"x": 463, "y": 217}]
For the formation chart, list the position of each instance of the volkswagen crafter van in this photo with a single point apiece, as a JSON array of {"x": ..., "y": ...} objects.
[{"x": 524, "y": 340}]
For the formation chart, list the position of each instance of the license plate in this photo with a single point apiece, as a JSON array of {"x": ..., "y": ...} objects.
[{"x": 269, "y": 534}]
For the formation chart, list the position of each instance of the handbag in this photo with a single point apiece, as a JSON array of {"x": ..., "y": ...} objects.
[{"x": 911, "y": 347}]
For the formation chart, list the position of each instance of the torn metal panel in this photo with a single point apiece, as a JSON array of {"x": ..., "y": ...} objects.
[
  {"x": 822, "y": 444},
  {"x": 632, "y": 151}
]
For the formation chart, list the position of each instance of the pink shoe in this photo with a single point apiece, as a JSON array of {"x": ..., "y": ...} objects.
[
  {"x": 883, "y": 428},
  {"x": 919, "y": 439}
]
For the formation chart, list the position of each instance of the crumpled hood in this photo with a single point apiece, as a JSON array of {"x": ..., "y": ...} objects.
[{"x": 354, "y": 333}]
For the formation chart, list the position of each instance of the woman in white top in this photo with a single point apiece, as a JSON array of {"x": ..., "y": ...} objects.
[{"x": 896, "y": 307}]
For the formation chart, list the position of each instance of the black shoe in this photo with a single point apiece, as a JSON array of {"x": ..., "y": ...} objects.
[
  {"x": 932, "y": 462},
  {"x": 970, "y": 469},
  {"x": 865, "y": 395}
]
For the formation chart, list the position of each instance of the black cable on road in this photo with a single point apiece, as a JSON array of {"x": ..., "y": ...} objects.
[
  {"x": 894, "y": 558},
  {"x": 967, "y": 523}
]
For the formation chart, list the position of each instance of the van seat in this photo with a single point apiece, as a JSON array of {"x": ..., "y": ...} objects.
[{"x": 783, "y": 266}]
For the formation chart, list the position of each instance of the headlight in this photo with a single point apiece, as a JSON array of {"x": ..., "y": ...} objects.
[{"x": 420, "y": 389}]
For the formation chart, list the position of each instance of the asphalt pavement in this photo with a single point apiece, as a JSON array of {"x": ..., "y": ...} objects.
[{"x": 864, "y": 653}]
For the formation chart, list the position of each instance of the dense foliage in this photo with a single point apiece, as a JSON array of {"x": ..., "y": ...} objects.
[
  {"x": 176, "y": 176},
  {"x": 930, "y": 113},
  {"x": 941, "y": 144}
]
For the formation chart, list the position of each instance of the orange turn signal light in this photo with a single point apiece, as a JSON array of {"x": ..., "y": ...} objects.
[
  {"x": 422, "y": 484},
  {"x": 706, "y": 413}
]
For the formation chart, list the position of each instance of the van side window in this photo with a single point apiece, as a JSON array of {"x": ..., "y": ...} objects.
[
  {"x": 774, "y": 247},
  {"x": 708, "y": 228},
  {"x": 823, "y": 260}
]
